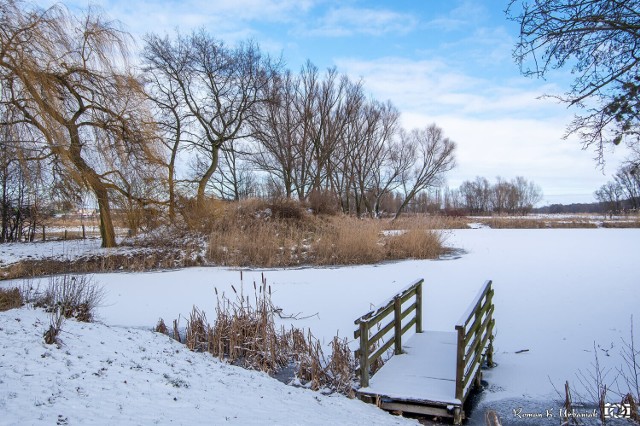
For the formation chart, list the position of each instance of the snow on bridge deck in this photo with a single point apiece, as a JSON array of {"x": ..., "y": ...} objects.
[{"x": 424, "y": 373}]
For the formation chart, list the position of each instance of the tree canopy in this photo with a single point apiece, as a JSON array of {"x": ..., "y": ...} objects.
[{"x": 599, "y": 40}]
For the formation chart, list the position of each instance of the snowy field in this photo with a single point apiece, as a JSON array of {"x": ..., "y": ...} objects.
[{"x": 557, "y": 291}]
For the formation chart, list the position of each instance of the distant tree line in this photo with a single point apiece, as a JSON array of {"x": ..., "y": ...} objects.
[
  {"x": 570, "y": 208},
  {"x": 517, "y": 196},
  {"x": 623, "y": 192},
  {"x": 198, "y": 119}
]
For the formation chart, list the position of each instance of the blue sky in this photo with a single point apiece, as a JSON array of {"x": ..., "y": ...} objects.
[{"x": 442, "y": 61}]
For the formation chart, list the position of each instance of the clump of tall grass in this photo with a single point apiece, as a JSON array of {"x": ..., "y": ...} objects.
[
  {"x": 283, "y": 233},
  {"x": 245, "y": 333},
  {"x": 415, "y": 243},
  {"x": 347, "y": 240},
  {"x": 10, "y": 298}
]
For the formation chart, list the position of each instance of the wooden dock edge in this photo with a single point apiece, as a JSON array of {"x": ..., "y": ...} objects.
[{"x": 429, "y": 408}]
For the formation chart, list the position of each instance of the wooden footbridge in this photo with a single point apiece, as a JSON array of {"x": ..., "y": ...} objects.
[{"x": 432, "y": 372}]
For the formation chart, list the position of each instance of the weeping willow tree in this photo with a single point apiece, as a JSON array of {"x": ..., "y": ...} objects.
[{"x": 67, "y": 78}]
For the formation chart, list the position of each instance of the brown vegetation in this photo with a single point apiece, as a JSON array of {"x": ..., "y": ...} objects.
[
  {"x": 283, "y": 233},
  {"x": 10, "y": 298},
  {"x": 156, "y": 258},
  {"x": 245, "y": 334}
]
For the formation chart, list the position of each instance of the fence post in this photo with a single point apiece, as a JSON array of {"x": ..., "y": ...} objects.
[
  {"x": 65, "y": 234},
  {"x": 364, "y": 354},
  {"x": 478, "y": 322},
  {"x": 397, "y": 322},
  {"x": 419, "y": 308},
  {"x": 490, "y": 363},
  {"x": 84, "y": 235},
  {"x": 460, "y": 362},
  {"x": 43, "y": 233}
]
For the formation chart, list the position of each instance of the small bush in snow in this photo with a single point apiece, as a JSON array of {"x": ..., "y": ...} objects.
[
  {"x": 56, "y": 319},
  {"x": 161, "y": 327},
  {"x": 10, "y": 299},
  {"x": 74, "y": 296}
]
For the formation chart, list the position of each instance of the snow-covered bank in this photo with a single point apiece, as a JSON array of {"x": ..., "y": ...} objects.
[{"x": 113, "y": 375}]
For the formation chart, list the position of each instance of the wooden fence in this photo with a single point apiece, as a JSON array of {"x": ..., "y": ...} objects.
[
  {"x": 475, "y": 330},
  {"x": 369, "y": 322}
]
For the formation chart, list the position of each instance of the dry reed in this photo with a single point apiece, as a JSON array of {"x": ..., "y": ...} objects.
[
  {"x": 244, "y": 333},
  {"x": 10, "y": 298},
  {"x": 415, "y": 243}
]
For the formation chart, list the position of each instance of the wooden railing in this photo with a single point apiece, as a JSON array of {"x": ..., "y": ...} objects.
[
  {"x": 369, "y": 322},
  {"x": 475, "y": 332}
]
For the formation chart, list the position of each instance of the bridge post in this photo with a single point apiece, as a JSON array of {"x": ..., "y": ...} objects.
[
  {"x": 460, "y": 363},
  {"x": 419, "y": 307},
  {"x": 397, "y": 322},
  {"x": 364, "y": 354}
]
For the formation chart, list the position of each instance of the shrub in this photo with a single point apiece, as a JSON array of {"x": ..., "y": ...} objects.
[
  {"x": 10, "y": 298},
  {"x": 56, "y": 318},
  {"x": 161, "y": 327},
  {"x": 74, "y": 296},
  {"x": 284, "y": 208},
  {"x": 323, "y": 202},
  {"x": 415, "y": 243},
  {"x": 350, "y": 241}
]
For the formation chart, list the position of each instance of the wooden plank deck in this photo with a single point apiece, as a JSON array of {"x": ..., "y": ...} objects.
[
  {"x": 434, "y": 371},
  {"x": 424, "y": 374}
]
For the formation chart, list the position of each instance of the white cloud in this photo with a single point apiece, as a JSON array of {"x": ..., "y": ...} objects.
[
  {"x": 466, "y": 13},
  {"x": 347, "y": 21},
  {"x": 433, "y": 87},
  {"x": 229, "y": 20},
  {"x": 501, "y": 129}
]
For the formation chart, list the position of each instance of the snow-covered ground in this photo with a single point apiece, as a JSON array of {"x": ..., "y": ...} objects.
[
  {"x": 56, "y": 250},
  {"x": 557, "y": 291},
  {"x": 106, "y": 375}
]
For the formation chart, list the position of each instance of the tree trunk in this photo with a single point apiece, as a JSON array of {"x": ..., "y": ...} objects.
[
  {"x": 202, "y": 184},
  {"x": 98, "y": 187},
  {"x": 107, "y": 231},
  {"x": 172, "y": 197}
]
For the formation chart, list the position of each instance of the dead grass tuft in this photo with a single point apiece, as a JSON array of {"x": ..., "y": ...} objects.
[
  {"x": 415, "y": 243},
  {"x": 201, "y": 217},
  {"x": 10, "y": 299},
  {"x": 428, "y": 222},
  {"x": 157, "y": 258},
  {"x": 348, "y": 240},
  {"x": 621, "y": 224},
  {"x": 244, "y": 333},
  {"x": 71, "y": 296},
  {"x": 512, "y": 223}
]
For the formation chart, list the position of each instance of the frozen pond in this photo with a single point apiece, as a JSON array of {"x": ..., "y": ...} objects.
[{"x": 557, "y": 292}]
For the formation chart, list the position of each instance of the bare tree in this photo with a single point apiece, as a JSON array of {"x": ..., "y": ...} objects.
[
  {"x": 599, "y": 40},
  {"x": 221, "y": 88},
  {"x": 67, "y": 77},
  {"x": 172, "y": 116},
  {"x": 279, "y": 129},
  {"x": 610, "y": 194},
  {"x": 628, "y": 179},
  {"x": 432, "y": 155},
  {"x": 476, "y": 195},
  {"x": 527, "y": 194}
]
